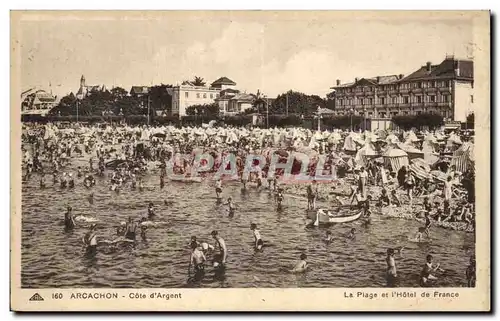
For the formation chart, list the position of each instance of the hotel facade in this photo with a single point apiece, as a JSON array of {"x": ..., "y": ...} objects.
[{"x": 445, "y": 89}]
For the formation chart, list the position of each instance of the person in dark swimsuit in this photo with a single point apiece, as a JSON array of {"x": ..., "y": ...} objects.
[
  {"x": 151, "y": 211},
  {"x": 42, "y": 181},
  {"x": 428, "y": 224},
  {"x": 130, "y": 229},
  {"x": 69, "y": 221}
]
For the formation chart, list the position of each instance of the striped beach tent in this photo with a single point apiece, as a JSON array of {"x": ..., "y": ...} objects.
[
  {"x": 463, "y": 157},
  {"x": 395, "y": 158},
  {"x": 420, "y": 168}
]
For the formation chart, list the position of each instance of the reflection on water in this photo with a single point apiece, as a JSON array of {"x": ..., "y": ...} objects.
[{"x": 53, "y": 257}]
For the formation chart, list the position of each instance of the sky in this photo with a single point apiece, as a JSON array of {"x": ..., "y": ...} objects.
[{"x": 270, "y": 51}]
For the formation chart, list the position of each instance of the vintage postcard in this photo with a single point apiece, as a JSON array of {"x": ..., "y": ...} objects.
[{"x": 250, "y": 161}]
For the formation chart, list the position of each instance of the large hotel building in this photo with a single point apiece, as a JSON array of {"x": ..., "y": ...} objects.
[{"x": 445, "y": 89}]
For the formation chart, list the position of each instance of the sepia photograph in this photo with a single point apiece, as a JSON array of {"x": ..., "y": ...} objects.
[{"x": 251, "y": 149}]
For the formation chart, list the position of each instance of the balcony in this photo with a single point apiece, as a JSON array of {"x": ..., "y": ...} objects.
[
  {"x": 417, "y": 90},
  {"x": 404, "y": 91},
  {"x": 431, "y": 90},
  {"x": 445, "y": 90},
  {"x": 393, "y": 92}
]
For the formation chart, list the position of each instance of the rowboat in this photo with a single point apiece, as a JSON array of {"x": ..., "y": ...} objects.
[{"x": 324, "y": 216}]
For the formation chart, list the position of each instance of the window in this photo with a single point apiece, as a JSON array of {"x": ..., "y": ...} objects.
[
  {"x": 406, "y": 99},
  {"x": 382, "y": 115},
  {"x": 370, "y": 114},
  {"x": 394, "y": 100},
  {"x": 448, "y": 98},
  {"x": 204, "y": 95},
  {"x": 197, "y": 95},
  {"x": 216, "y": 95},
  {"x": 406, "y": 113},
  {"x": 362, "y": 101},
  {"x": 211, "y": 96},
  {"x": 472, "y": 99},
  {"x": 419, "y": 85},
  {"x": 447, "y": 83},
  {"x": 341, "y": 102},
  {"x": 419, "y": 99},
  {"x": 370, "y": 101},
  {"x": 382, "y": 100},
  {"x": 432, "y": 99},
  {"x": 186, "y": 94},
  {"x": 419, "y": 112}
]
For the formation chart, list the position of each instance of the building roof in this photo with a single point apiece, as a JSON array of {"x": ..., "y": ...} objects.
[
  {"x": 224, "y": 81},
  {"x": 379, "y": 80},
  {"x": 446, "y": 69},
  {"x": 243, "y": 97},
  {"x": 139, "y": 90}
]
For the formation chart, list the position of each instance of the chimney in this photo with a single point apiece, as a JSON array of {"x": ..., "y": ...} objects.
[
  {"x": 378, "y": 79},
  {"x": 401, "y": 76},
  {"x": 338, "y": 82},
  {"x": 429, "y": 68},
  {"x": 457, "y": 68},
  {"x": 356, "y": 79}
]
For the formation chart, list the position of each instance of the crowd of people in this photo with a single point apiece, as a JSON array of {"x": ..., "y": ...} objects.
[{"x": 430, "y": 172}]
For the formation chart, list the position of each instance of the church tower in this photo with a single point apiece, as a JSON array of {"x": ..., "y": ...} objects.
[{"x": 82, "y": 82}]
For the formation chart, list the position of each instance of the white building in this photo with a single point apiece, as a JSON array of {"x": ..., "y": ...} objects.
[{"x": 187, "y": 94}]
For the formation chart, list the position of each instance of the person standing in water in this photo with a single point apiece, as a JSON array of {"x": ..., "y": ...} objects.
[
  {"x": 90, "y": 240},
  {"x": 218, "y": 188},
  {"x": 130, "y": 229},
  {"x": 258, "y": 243},
  {"x": 279, "y": 198},
  {"x": 391, "y": 269},
  {"x": 230, "y": 206},
  {"x": 470, "y": 273},
  {"x": 151, "y": 211},
  {"x": 42, "y": 181},
  {"x": 301, "y": 266},
  {"x": 69, "y": 221},
  {"x": 219, "y": 259},
  {"x": 429, "y": 268},
  {"x": 197, "y": 261}
]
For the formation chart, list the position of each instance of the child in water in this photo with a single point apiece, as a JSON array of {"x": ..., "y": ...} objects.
[
  {"x": 429, "y": 267},
  {"x": 256, "y": 234},
  {"x": 301, "y": 266},
  {"x": 352, "y": 234},
  {"x": 329, "y": 237},
  {"x": 230, "y": 206}
]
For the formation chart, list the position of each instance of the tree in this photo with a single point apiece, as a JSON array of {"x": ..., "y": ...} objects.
[
  {"x": 198, "y": 81},
  {"x": 118, "y": 93},
  {"x": 204, "y": 110},
  {"x": 66, "y": 106},
  {"x": 298, "y": 103},
  {"x": 160, "y": 98}
]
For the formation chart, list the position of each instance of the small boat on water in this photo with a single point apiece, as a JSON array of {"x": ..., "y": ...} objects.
[{"x": 324, "y": 216}]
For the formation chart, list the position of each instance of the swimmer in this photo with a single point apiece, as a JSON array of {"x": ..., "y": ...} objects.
[
  {"x": 90, "y": 239},
  {"x": 141, "y": 185},
  {"x": 428, "y": 224},
  {"x": 230, "y": 206},
  {"x": 130, "y": 229},
  {"x": 470, "y": 273},
  {"x": 143, "y": 228},
  {"x": 219, "y": 259},
  {"x": 419, "y": 237},
  {"x": 429, "y": 267},
  {"x": 197, "y": 261},
  {"x": 329, "y": 237},
  {"x": 391, "y": 274},
  {"x": 205, "y": 247},
  {"x": 69, "y": 220},
  {"x": 71, "y": 183},
  {"x": 79, "y": 172},
  {"x": 42, "y": 181},
  {"x": 218, "y": 188},
  {"x": 352, "y": 234},
  {"x": 257, "y": 239},
  {"x": 301, "y": 266},
  {"x": 395, "y": 199},
  {"x": 151, "y": 211},
  {"x": 279, "y": 198}
]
